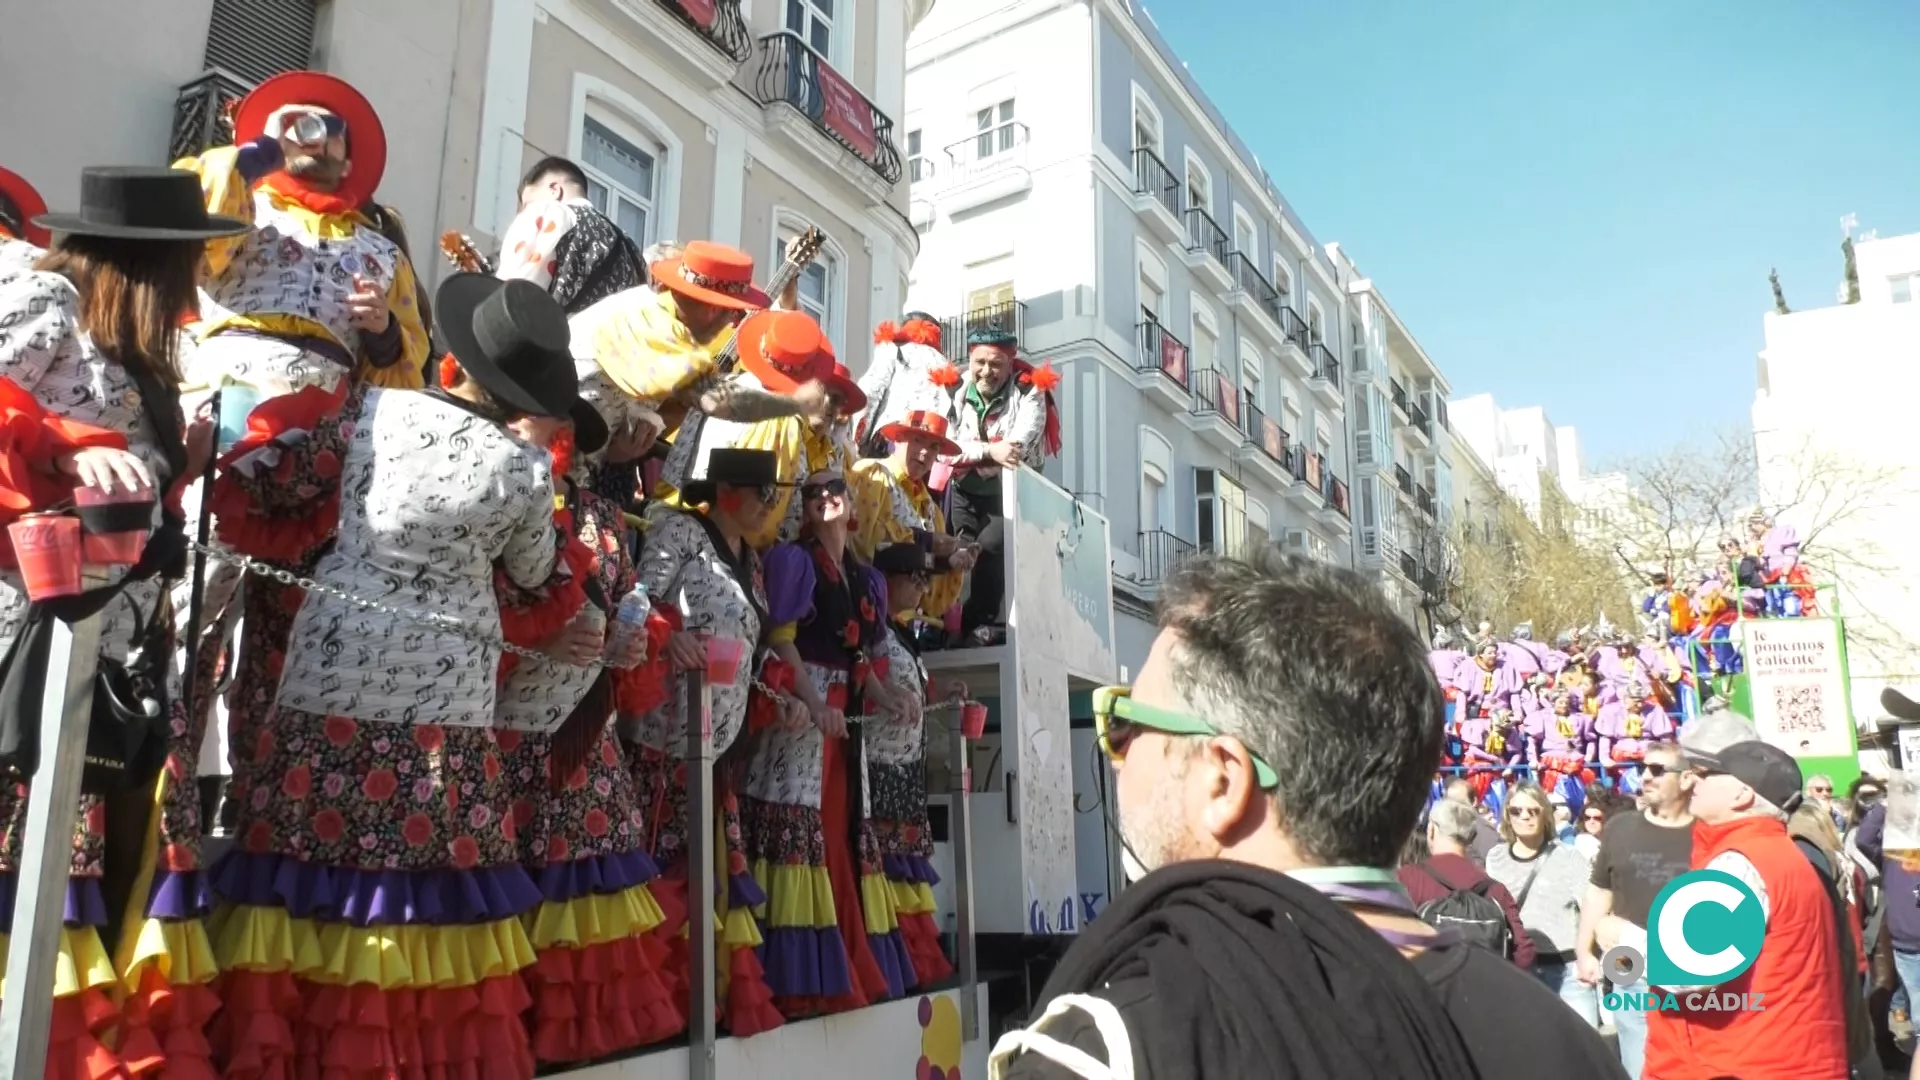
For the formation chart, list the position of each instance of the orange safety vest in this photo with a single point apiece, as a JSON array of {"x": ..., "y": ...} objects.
[{"x": 1802, "y": 1034}]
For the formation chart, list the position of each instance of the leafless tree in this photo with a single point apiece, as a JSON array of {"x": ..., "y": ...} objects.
[{"x": 1545, "y": 574}]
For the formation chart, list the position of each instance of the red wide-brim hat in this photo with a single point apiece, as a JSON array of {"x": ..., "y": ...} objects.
[
  {"x": 925, "y": 425},
  {"x": 28, "y": 201},
  {"x": 712, "y": 274},
  {"x": 366, "y": 138},
  {"x": 783, "y": 349}
]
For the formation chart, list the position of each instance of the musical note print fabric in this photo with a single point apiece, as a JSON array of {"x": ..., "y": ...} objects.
[{"x": 432, "y": 495}]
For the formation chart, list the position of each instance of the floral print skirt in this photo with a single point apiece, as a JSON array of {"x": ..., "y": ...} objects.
[
  {"x": 600, "y": 984},
  {"x": 902, "y": 843},
  {"x": 371, "y": 914},
  {"x": 744, "y": 1002}
]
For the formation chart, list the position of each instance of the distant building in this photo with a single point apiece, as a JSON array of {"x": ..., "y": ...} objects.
[
  {"x": 1523, "y": 448},
  {"x": 1835, "y": 437}
]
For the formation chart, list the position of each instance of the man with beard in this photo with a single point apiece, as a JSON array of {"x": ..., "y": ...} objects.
[
  {"x": 561, "y": 243},
  {"x": 314, "y": 294},
  {"x": 1270, "y": 764}
]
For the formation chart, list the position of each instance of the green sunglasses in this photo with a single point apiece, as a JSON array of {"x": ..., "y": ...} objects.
[{"x": 1115, "y": 714}]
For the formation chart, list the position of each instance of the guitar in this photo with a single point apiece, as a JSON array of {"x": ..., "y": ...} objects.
[
  {"x": 459, "y": 250},
  {"x": 800, "y": 255}
]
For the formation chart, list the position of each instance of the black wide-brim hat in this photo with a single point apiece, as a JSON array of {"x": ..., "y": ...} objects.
[
  {"x": 142, "y": 203},
  {"x": 513, "y": 339}
]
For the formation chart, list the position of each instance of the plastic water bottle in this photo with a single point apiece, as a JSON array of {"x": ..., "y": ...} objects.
[{"x": 629, "y": 619}]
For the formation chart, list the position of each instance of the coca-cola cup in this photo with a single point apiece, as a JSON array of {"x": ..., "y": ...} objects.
[
  {"x": 113, "y": 526},
  {"x": 973, "y": 719},
  {"x": 47, "y": 548},
  {"x": 723, "y": 658}
]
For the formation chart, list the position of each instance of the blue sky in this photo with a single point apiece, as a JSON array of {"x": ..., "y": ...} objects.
[{"x": 1576, "y": 205}]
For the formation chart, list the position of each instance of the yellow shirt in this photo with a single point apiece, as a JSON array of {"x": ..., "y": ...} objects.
[{"x": 887, "y": 507}]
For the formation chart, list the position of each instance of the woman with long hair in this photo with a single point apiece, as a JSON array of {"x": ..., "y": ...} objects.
[
  {"x": 372, "y": 909},
  {"x": 1548, "y": 880},
  {"x": 89, "y": 366}
]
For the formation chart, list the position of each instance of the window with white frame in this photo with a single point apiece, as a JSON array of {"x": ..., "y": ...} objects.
[
  {"x": 1316, "y": 324},
  {"x": 995, "y": 130},
  {"x": 1282, "y": 280},
  {"x": 621, "y": 178},
  {"x": 1206, "y": 337},
  {"x": 1904, "y": 287},
  {"x": 820, "y": 286},
  {"x": 916, "y": 164},
  {"x": 813, "y": 21},
  {"x": 1156, "y": 466},
  {"x": 1259, "y": 526},
  {"x": 1146, "y": 124},
  {"x": 1250, "y": 381},
  {"x": 1199, "y": 185},
  {"x": 1220, "y": 506},
  {"x": 1246, "y": 239}
]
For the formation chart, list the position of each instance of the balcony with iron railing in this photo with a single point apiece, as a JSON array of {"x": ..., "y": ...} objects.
[
  {"x": 718, "y": 21},
  {"x": 1326, "y": 375},
  {"x": 1422, "y": 425},
  {"x": 1409, "y": 566},
  {"x": 1156, "y": 195},
  {"x": 1298, "y": 337},
  {"x": 1423, "y": 498},
  {"x": 1010, "y": 315},
  {"x": 1163, "y": 366},
  {"x": 794, "y": 76},
  {"x": 1309, "y": 472},
  {"x": 984, "y": 167},
  {"x": 202, "y": 116},
  {"x": 1161, "y": 553},
  {"x": 1266, "y": 446},
  {"x": 1209, "y": 249},
  {"x": 1403, "y": 479},
  {"x": 1338, "y": 497},
  {"x": 1399, "y": 394},
  {"x": 1217, "y": 413},
  {"x": 1254, "y": 295}
]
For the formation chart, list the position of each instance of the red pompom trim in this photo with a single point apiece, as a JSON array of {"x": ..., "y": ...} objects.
[
  {"x": 915, "y": 332},
  {"x": 449, "y": 372},
  {"x": 644, "y": 687},
  {"x": 556, "y": 603},
  {"x": 946, "y": 375},
  {"x": 762, "y": 711},
  {"x": 1042, "y": 378}
]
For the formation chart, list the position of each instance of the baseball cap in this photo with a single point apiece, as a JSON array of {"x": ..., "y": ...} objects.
[{"x": 1770, "y": 771}]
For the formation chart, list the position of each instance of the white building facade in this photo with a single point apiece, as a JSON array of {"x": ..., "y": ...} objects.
[
  {"x": 1523, "y": 447},
  {"x": 1834, "y": 441},
  {"x": 1070, "y": 179}
]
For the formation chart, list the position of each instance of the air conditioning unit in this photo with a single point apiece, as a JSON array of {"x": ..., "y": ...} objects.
[{"x": 1296, "y": 543}]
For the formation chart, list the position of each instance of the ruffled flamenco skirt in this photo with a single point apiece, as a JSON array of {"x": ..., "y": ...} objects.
[
  {"x": 600, "y": 983},
  {"x": 744, "y": 1000},
  {"x": 370, "y": 919},
  {"x": 826, "y": 950}
]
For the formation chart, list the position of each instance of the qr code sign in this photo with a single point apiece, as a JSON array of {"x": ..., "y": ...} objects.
[{"x": 1801, "y": 709}]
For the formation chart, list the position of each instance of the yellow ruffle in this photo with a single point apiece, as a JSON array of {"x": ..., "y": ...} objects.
[
  {"x": 83, "y": 965},
  {"x": 878, "y": 904},
  {"x": 254, "y": 938},
  {"x": 180, "y": 951},
  {"x": 797, "y": 896},
  {"x": 594, "y": 920},
  {"x": 912, "y": 897},
  {"x": 740, "y": 930}
]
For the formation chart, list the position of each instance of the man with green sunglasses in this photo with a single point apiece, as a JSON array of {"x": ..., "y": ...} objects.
[{"x": 1270, "y": 762}]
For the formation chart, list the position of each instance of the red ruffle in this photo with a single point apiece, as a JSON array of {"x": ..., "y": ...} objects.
[
  {"x": 748, "y": 1008},
  {"x": 599, "y": 1000},
  {"x": 30, "y": 437},
  {"x": 163, "y": 1030},
  {"x": 462, "y": 1033},
  {"x": 922, "y": 937},
  {"x": 277, "y": 534},
  {"x": 254, "y": 1032},
  {"x": 554, "y": 604},
  {"x": 74, "y": 1049}
]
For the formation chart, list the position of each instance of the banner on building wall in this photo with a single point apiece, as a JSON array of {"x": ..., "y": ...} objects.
[
  {"x": 1797, "y": 675},
  {"x": 846, "y": 113},
  {"x": 1173, "y": 358},
  {"x": 703, "y": 12},
  {"x": 1273, "y": 439},
  {"x": 1313, "y": 472},
  {"x": 1060, "y": 623}
]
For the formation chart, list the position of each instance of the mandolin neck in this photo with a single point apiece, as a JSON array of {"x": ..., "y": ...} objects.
[{"x": 729, "y": 353}]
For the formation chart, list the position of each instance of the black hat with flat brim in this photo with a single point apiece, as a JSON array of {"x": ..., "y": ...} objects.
[
  {"x": 512, "y": 338},
  {"x": 142, "y": 203}
]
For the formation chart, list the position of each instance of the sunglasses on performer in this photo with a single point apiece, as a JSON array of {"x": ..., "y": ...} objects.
[
  {"x": 836, "y": 488},
  {"x": 1117, "y": 718}
]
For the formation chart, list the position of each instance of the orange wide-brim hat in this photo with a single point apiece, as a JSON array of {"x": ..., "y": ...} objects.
[
  {"x": 840, "y": 381},
  {"x": 921, "y": 424},
  {"x": 366, "y": 138},
  {"x": 712, "y": 274},
  {"x": 783, "y": 349},
  {"x": 28, "y": 202}
]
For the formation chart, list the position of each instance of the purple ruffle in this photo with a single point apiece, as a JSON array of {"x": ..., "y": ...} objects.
[
  {"x": 375, "y": 897},
  {"x": 890, "y": 952},
  {"x": 185, "y": 894},
  {"x": 803, "y": 961},
  {"x": 86, "y": 905},
  {"x": 595, "y": 874},
  {"x": 744, "y": 892},
  {"x": 913, "y": 869}
]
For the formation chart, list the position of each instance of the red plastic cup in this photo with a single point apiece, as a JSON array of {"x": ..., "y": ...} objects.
[
  {"x": 973, "y": 719},
  {"x": 723, "y": 658},
  {"x": 47, "y": 547},
  {"x": 113, "y": 548}
]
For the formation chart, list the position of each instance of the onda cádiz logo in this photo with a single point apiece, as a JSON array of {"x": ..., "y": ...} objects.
[{"x": 1705, "y": 930}]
